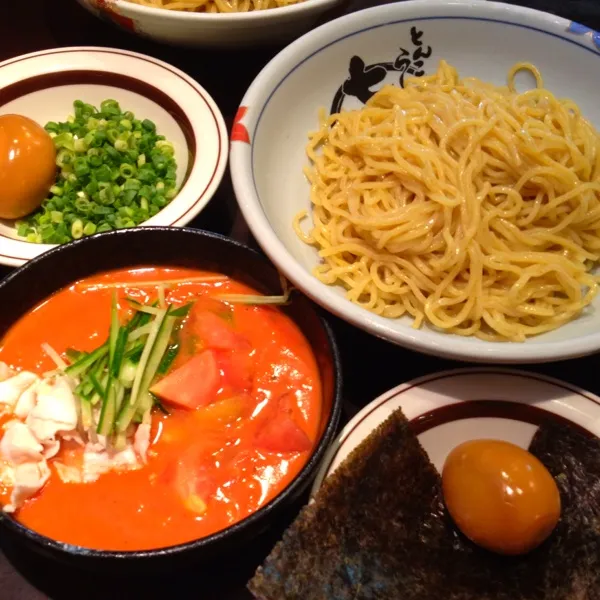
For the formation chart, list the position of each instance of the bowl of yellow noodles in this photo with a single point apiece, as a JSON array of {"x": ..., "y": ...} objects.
[
  {"x": 430, "y": 172},
  {"x": 213, "y": 23}
]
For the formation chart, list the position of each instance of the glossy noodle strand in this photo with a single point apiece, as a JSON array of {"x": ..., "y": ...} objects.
[
  {"x": 467, "y": 206},
  {"x": 215, "y": 6}
]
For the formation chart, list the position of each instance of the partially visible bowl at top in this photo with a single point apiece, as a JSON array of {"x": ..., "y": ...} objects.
[
  {"x": 44, "y": 85},
  {"x": 368, "y": 49},
  {"x": 219, "y": 30}
]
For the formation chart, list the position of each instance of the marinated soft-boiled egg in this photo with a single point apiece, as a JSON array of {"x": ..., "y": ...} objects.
[
  {"x": 500, "y": 496},
  {"x": 27, "y": 165}
]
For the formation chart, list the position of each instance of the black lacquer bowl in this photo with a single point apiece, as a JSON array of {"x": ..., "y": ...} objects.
[{"x": 157, "y": 246}]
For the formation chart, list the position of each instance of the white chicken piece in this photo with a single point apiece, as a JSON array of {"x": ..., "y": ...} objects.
[
  {"x": 19, "y": 445},
  {"x": 29, "y": 478},
  {"x": 5, "y": 371},
  {"x": 141, "y": 441},
  {"x": 95, "y": 447},
  {"x": 97, "y": 463},
  {"x": 26, "y": 401},
  {"x": 51, "y": 449},
  {"x": 7, "y": 475},
  {"x": 12, "y": 388},
  {"x": 67, "y": 473},
  {"x": 75, "y": 436},
  {"x": 55, "y": 411}
]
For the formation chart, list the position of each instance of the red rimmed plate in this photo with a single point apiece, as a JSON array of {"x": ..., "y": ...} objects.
[
  {"x": 448, "y": 408},
  {"x": 44, "y": 85}
]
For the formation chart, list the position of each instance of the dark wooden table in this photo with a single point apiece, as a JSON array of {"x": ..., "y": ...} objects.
[{"x": 29, "y": 25}]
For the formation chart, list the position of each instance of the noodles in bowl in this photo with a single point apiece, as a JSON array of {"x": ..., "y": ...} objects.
[
  {"x": 215, "y": 6},
  {"x": 213, "y": 23},
  {"x": 466, "y": 206}
]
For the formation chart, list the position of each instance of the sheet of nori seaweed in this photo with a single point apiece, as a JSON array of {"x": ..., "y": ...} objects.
[
  {"x": 378, "y": 530},
  {"x": 572, "y": 554},
  {"x": 377, "y": 510}
]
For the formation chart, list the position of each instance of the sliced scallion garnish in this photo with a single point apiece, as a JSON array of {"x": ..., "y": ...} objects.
[
  {"x": 54, "y": 355},
  {"x": 257, "y": 299},
  {"x": 252, "y": 299},
  {"x": 165, "y": 283}
]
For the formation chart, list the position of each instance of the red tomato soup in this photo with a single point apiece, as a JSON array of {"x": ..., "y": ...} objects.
[{"x": 241, "y": 401}]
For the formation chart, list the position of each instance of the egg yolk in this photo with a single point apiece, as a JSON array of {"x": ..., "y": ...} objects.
[
  {"x": 27, "y": 165},
  {"x": 500, "y": 496}
]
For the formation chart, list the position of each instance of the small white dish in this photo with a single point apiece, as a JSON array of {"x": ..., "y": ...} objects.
[
  {"x": 270, "y": 134},
  {"x": 215, "y": 30},
  {"x": 44, "y": 85},
  {"x": 448, "y": 408}
]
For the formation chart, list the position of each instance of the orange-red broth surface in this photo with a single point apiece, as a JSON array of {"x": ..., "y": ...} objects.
[{"x": 210, "y": 453}]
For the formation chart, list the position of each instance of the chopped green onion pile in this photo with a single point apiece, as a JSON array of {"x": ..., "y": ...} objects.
[
  {"x": 114, "y": 171},
  {"x": 116, "y": 377}
]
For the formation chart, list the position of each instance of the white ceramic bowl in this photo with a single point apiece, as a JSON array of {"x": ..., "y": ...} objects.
[
  {"x": 212, "y": 30},
  {"x": 43, "y": 86},
  {"x": 482, "y": 39}
]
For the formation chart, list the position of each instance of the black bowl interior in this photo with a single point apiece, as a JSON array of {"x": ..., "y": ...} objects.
[{"x": 162, "y": 246}]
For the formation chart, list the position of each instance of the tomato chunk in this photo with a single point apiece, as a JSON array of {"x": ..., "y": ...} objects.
[
  {"x": 192, "y": 481},
  {"x": 288, "y": 403},
  {"x": 195, "y": 487},
  {"x": 216, "y": 333},
  {"x": 192, "y": 385},
  {"x": 237, "y": 368},
  {"x": 225, "y": 411},
  {"x": 208, "y": 303},
  {"x": 282, "y": 434}
]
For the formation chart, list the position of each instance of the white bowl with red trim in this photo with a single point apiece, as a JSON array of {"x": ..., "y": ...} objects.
[
  {"x": 217, "y": 30},
  {"x": 371, "y": 48},
  {"x": 44, "y": 85}
]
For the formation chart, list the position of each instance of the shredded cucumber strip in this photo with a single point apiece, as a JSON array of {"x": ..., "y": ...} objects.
[
  {"x": 114, "y": 330},
  {"x": 156, "y": 346},
  {"x": 87, "y": 415},
  {"x": 116, "y": 376},
  {"x": 84, "y": 363},
  {"x": 107, "y": 412},
  {"x": 160, "y": 292},
  {"x": 140, "y": 332},
  {"x": 146, "y": 355},
  {"x": 144, "y": 308}
]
